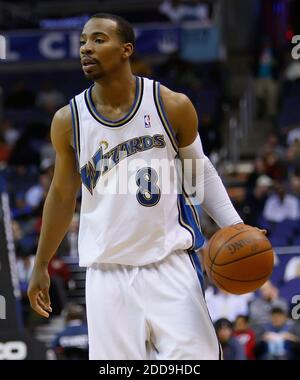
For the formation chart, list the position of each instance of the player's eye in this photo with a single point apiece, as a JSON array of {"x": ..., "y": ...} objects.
[
  {"x": 81, "y": 43},
  {"x": 99, "y": 41}
]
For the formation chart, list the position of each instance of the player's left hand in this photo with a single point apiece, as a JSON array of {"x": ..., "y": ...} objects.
[
  {"x": 258, "y": 229},
  {"x": 263, "y": 231}
]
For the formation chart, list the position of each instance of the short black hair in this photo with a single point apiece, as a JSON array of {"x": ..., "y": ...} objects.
[
  {"x": 277, "y": 310},
  {"x": 124, "y": 29},
  {"x": 223, "y": 322},
  {"x": 242, "y": 316}
]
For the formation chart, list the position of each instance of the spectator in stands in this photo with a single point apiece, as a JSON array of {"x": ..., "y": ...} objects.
[
  {"x": 179, "y": 72},
  {"x": 72, "y": 236},
  {"x": 232, "y": 349},
  {"x": 60, "y": 276},
  {"x": 25, "y": 236},
  {"x": 256, "y": 199},
  {"x": 261, "y": 306},
  {"x": 25, "y": 261},
  {"x": 293, "y": 158},
  {"x": 5, "y": 150},
  {"x": 259, "y": 169},
  {"x": 281, "y": 206},
  {"x": 293, "y": 136},
  {"x": 20, "y": 208},
  {"x": 266, "y": 86},
  {"x": 37, "y": 193},
  {"x": 9, "y": 133},
  {"x": 272, "y": 145},
  {"x": 278, "y": 340},
  {"x": 49, "y": 98},
  {"x": 20, "y": 97},
  {"x": 72, "y": 342},
  {"x": 295, "y": 330},
  {"x": 245, "y": 335},
  {"x": 27, "y": 148},
  {"x": 225, "y": 305},
  {"x": 58, "y": 268},
  {"x": 24, "y": 264},
  {"x": 275, "y": 166},
  {"x": 295, "y": 186},
  {"x": 47, "y": 153}
]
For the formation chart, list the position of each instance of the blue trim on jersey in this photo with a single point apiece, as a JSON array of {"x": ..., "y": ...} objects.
[
  {"x": 188, "y": 220},
  {"x": 162, "y": 115},
  {"x": 194, "y": 208},
  {"x": 120, "y": 122},
  {"x": 198, "y": 268},
  {"x": 75, "y": 128},
  {"x": 183, "y": 224}
]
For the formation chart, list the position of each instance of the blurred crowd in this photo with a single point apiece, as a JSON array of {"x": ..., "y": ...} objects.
[
  {"x": 254, "y": 326},
  {"x": 19, "y": 14}
]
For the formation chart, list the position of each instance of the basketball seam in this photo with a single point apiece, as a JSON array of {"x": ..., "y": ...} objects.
[
  {"x": 213, "y": 261},
  {"x": 230, "y": 239},
  {"x": 218, "y": 251},
  {"x": 238, "y": 280},
  {"x": 209, "y": 253},
  {"x": 210, "y": 244},
  {"x": 221, "y": 286},
  {"x": 242, "y": 258},
  {"x": 225, "y": 288}
]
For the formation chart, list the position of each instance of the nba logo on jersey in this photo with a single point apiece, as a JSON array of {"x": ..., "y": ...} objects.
[{"x": 147, "y": 121}]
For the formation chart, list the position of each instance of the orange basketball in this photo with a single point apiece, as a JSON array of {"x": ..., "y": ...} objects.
[{"x": 239, "y": 259}]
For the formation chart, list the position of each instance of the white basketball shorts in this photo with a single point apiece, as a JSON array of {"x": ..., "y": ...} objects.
[{"x": 156, "y": 311}]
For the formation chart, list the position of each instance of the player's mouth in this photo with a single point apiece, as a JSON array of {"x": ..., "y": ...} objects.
[{"x": 88, "y": 63}]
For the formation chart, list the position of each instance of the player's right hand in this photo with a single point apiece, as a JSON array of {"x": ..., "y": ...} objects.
[{"x": 38, "y": 291}]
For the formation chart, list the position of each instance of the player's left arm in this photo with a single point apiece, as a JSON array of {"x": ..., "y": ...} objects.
[{"x": 182, "y": 117}]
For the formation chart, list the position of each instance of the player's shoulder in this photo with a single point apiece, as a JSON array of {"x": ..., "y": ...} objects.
[
  {"x": 63, "y": 115},
  {"x": 61, "y": 127},
  {"x": 174, "y": 100},
  {"x": 181, "y": 114}
]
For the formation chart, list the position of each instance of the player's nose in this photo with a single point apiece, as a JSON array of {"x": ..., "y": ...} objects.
[{"x": 87, "y": 48}]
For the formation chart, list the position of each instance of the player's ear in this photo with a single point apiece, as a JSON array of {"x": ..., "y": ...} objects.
[{"x": 128, "y": 50}]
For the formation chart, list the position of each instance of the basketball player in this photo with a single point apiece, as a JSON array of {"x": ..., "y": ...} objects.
[{"x": 144, "y": 292}]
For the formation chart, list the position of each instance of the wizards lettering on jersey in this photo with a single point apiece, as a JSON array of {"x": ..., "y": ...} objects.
[{"x": 102, "y": 163}]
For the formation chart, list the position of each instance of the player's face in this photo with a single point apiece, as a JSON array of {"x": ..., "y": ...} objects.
[{"x": 101, "y": 50}]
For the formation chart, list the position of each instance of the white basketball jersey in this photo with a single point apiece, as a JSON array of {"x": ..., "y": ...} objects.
[{"x": 131, "y": 212}]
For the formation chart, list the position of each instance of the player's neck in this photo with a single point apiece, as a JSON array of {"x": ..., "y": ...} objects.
[{"x": 115, "y": 90}]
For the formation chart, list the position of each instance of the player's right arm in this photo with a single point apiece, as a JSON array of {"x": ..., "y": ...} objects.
[{"x": 58, "y": 209}]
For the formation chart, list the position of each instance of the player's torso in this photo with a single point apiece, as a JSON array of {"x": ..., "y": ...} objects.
[{"x": 129, "y": 211}]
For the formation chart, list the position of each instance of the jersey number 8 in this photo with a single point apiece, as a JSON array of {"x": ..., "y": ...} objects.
[{"x": 148, "y": 193}]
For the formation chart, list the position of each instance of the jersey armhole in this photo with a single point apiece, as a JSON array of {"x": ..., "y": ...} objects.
[
  {"x": 76, "y": 131},
  {"x": 162, "y": 115}
]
